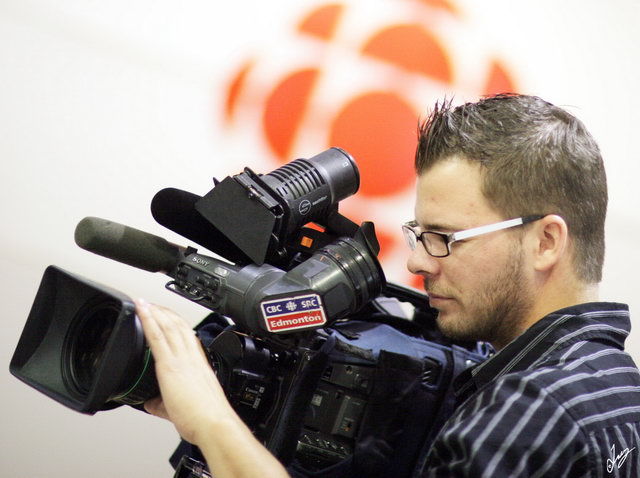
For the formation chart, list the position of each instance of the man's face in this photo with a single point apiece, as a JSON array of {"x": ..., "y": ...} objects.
[{"x": 482, "y": 290}]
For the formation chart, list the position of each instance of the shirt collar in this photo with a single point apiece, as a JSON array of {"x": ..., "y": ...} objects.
[{"x": 595, "y": 320}]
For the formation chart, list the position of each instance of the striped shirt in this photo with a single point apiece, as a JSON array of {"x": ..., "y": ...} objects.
[{"x": 562, "y": 400}]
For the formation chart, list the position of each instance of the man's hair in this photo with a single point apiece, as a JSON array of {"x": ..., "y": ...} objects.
[{"x": 536, "y": 159}]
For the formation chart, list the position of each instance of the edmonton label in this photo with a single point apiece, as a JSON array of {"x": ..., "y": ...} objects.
[{"x": 289, "y": 314}]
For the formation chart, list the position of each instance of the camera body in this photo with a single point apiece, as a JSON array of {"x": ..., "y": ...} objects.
[
  {"x": 363, "y": 397},
  {"x": 306, "y": 337}
]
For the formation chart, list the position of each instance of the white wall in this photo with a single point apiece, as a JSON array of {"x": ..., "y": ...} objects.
[{"x": 104, "y": 103}]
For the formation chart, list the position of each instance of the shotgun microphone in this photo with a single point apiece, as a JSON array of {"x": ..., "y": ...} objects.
[{"x": 128, "y": 245}]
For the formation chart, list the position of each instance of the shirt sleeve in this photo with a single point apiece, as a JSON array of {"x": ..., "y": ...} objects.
[{"x": 514, "y": 428}]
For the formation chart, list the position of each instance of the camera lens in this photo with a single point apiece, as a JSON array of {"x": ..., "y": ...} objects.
[
  {"x": 86, "y": 343},
  {"x": 130, "y": 373}
]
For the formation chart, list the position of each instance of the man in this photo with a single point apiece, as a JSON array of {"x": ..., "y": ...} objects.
[{"x": 509, "y": 238}]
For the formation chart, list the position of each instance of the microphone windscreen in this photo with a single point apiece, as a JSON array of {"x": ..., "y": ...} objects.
[
  {"x": 127, "y": 245},
  {"x": 175, "y": 210}
]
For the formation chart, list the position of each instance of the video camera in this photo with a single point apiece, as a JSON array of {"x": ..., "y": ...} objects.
[{"x": 308, "y": 341}]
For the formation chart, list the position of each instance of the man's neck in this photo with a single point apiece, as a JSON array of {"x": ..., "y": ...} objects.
[
  {"x": 560, "y": 298},
  {"x": 552, "y": 299}
]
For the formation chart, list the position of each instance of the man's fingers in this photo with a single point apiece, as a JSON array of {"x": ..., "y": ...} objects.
[
  {"x": 152, "y": 330},
  {"x": 164, "y": 328},
  {"x": 155, "y": 406}
]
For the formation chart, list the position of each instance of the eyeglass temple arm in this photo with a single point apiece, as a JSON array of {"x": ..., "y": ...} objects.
[{"x": 476, "y": 231}]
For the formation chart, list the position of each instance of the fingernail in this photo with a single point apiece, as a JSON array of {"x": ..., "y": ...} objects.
[{"x": 141, "y": 303}]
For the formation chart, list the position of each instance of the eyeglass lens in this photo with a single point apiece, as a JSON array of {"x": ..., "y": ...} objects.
[
  {"x": 410, "y": 237},
  {"x": 435, "y": 244}
]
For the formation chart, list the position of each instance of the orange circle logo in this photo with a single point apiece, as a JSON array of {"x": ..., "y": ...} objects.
[{"x": 359, "y": 76}]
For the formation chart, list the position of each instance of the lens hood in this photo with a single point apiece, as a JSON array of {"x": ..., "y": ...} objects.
[{"x": 82, "y": 344}]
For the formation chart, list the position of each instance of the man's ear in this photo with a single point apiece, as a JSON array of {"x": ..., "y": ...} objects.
[{"x": 551, "y": 236}]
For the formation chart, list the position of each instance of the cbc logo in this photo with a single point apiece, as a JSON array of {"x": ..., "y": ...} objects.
[{"x": 360, "y": 75}]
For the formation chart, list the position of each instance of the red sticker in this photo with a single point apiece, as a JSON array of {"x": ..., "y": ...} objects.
[{"x": 293, "y": 313}]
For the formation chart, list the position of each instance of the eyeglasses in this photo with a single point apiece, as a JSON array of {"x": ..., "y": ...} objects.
[{"x": 438, "y": 244}]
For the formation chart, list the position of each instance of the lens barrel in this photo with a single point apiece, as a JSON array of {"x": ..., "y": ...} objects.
[
  {"x": 85, "y": 345},
  {"x": 91, "y": 334}
]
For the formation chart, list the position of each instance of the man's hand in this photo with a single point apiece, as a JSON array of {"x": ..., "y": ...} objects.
[
  {"x": 194, "y": 401},
  {"x": 190, "y": 391}
]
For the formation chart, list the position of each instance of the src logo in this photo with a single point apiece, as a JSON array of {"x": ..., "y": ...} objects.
[
  {"x": 359, "y": 75},
  {"x": 292, "y": 314}
]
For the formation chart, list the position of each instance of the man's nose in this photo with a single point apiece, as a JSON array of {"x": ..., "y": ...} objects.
[{"x": 421, "y": 263}]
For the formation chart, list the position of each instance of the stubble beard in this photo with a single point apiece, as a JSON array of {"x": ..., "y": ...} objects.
[{"x": 497, "y": 312}]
